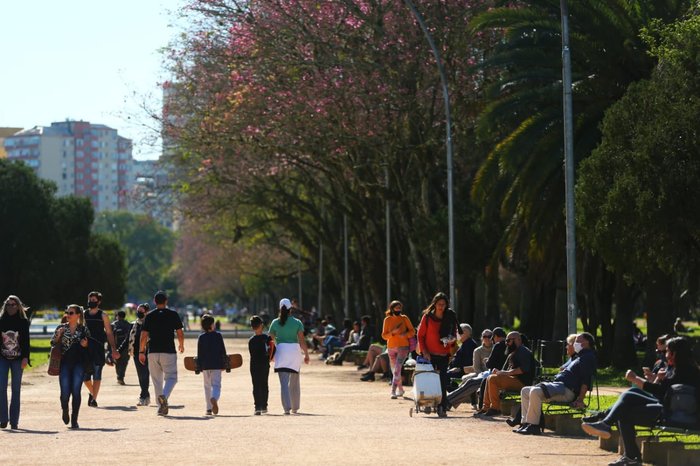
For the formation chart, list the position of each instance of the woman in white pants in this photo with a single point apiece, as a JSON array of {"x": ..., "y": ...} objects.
[{"x": 288, "y": 333}]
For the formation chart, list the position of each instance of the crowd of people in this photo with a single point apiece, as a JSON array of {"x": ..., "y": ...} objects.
[{"x": 501, "y": 362}]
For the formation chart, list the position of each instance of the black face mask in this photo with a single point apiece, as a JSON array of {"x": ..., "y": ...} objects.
[
  {"x": 140, "y": 314},
  {"x": 397, "y": 313},
  {"x": 92, "y": 304}
]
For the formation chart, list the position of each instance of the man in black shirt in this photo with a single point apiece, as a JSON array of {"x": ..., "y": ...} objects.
[
  {"x": 157, "y": 332},
  {"x": 518, "y": 373}
]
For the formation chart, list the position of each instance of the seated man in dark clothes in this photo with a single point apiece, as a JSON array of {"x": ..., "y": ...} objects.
[
  {"x": 519, "y": 372},
  {"x": 465, "y": 353},
  {"x": 366, "y": 337}
]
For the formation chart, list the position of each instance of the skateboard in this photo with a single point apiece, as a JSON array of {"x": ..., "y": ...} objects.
[{"x": 234, "y": 361}]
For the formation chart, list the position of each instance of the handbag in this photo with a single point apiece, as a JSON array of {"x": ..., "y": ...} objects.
[{"x": 55, "y": 360}]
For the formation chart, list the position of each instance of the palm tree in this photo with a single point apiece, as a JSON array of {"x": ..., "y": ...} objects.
[{"x": 522, "y": 181}]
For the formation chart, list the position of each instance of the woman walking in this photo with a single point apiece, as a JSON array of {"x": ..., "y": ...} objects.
[
  {"x": 14, "y": 356},
  {"x": 141, "y": 369},
  {"x": 288, "y": 335},
  {"x": 437, "y": 333},
  {"x": 396, "y": 331},
  {"x": 73, "y": 339}
]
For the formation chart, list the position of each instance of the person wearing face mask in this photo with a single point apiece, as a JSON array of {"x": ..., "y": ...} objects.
[
  {"x": 141, "y": 368},
  {"x": 14, "y": 356},
  {"x": 519, "y": 373},
  {"x": 647, "y": 402},
  {"x": 571, "y": 384},
  {"x": 397, "y": 329},
  {"x": 472, "y": 381},
  {"x": 100, "y": 333}
]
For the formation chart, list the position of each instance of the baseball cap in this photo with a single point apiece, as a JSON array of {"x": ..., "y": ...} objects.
[{"x": 285, "y": 303}]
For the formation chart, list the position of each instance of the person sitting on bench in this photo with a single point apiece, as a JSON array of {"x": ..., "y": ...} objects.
[
  {"x": 519, "y": 373},
  {"x": 366, "y": 336},
  {"x": 672, "y": 399},
  {"x": 571, "y": 384}
]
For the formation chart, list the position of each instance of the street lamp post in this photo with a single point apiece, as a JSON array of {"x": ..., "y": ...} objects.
[
  {"x": 448, "y": 144},
  {"x": 568, "y": 171}
]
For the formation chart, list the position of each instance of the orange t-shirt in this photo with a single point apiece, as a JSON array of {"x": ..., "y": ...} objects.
[{"x": 403, "y": 323}]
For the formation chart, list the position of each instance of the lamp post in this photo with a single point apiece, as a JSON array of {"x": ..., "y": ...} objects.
[
  {"x": 568, "y": 171},
  {"x": 448, "y": 144}
]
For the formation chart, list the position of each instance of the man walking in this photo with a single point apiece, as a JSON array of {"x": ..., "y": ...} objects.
[
  {"x": 121, "y": 329},
  {"x": 157, "y": 339}
]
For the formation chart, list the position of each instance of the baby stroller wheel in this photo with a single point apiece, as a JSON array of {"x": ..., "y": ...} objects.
[
  {"x": 428, "y": 410},
  {"x": 441, "y": 411}
]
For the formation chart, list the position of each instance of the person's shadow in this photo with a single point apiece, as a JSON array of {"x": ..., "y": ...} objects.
[{"x": 32, "y": 431}]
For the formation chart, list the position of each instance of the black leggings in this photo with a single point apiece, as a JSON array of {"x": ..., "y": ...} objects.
[
  {"x": 635, "y": 407},
  {"x": 440, "y": 363}
]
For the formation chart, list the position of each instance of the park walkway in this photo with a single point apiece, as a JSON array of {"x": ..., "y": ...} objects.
[{"x": 343, "y": 421}]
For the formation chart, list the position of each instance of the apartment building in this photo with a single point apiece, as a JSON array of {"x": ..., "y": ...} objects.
[{"x": 82, "y": 158}]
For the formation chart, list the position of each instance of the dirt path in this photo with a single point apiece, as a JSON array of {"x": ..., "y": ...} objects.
[{"x": 344, "y": 421}]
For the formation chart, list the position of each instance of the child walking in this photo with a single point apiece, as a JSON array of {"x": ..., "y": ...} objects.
[
  {"x": 261, "y": 347},
  {"x": 211, "y": 357}
]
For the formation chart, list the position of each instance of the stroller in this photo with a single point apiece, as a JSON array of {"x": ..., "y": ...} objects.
[{"x": 427, "y": 392}]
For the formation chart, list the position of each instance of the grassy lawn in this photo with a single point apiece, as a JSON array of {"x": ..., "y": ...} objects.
[{"x": 39, "y": 348}]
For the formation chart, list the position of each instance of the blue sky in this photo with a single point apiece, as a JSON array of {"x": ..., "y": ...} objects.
[{"x": 93, "y": 60}]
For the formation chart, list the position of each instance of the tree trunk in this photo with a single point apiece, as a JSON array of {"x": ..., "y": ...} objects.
[
  {"x": 623, "y": 353},
  {"x": 659, "y": 309}
]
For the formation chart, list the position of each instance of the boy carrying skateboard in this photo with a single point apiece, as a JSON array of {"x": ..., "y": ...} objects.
[
  {"x": 261, "y": 347},
  {"x": 211, "y": 360}
]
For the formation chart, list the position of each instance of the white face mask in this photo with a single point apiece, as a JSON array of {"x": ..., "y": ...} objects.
[{"x": 578, "y": 347}]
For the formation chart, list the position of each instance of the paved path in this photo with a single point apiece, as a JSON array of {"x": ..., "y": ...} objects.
[{"x": 344, "y": 421}]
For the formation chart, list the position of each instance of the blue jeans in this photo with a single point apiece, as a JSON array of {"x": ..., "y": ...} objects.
[
  {"x": 71, "y": 381},
  {"x": 6, "y": 366},
  {"x": 635, "y": 407},
  {"x": 330, "y": 342}
]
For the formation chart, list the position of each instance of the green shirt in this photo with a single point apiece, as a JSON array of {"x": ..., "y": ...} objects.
[{"x": 288, "y": 332}]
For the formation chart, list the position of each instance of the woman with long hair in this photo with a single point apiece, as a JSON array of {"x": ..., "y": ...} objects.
[
  {"x": 396, "y": 331},
  {"x": 14, "y": 356},
  {"x": 645, "y": 403},
  {"x": 288, "y": 334},
  {"x": 437, "y": 333},
  {"x": 72, "y": 337}
]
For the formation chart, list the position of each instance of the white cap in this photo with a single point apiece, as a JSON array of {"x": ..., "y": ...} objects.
[{"x": 286, "y": 303}]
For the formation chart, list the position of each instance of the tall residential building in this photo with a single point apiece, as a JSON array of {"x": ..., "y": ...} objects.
[
  {"x": 5, "y": 132},
  {"x": 83, "y": 159}
]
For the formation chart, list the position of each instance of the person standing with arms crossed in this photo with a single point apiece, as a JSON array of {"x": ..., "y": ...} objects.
[
  {"x": 100, "y": 332},
  {"x": 157, "y": 337}
]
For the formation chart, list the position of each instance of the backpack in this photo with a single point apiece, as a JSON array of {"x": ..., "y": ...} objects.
[{"x": 682, "y": 405}]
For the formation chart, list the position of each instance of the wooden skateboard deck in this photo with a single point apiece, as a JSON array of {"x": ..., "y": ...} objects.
[{"x": 235, "y": 360}]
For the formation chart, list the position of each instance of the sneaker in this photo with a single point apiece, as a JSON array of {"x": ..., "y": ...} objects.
[
  {"x": 625, "y": 461},
  {"x": 597, "y": 429},
  {"x": 264, "y": 411},
  {"x": 400, "y": 392},
  {"x": 144, "y": 402},
  {"x": 214, "y": 406},
  {"x": 74, "y": 426},
  {"x": 521, "y": 428},
  {"x": 209, "y": 413},
  {"x": 286, "y": 413},
  {"x": 14, "y": 426},
  {"x": 163, "y": 402},
  {"x": 91, "y": 401},
  {"x": 393, "y": 395},
  {"x": 257, "y": 412},
  {"x": 295, "y": 411},
  {"x": 531, "y": 430},
  {"x": 121, "y": 382},
  {"x": 595, "y": 417},
  {"x": 65, "y": 416},
  {"x": 3, "y": 424},
  {"x": 368, "y": 377}
]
